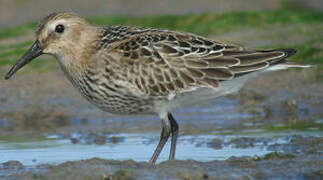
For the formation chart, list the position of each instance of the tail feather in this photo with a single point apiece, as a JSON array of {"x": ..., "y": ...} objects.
[
  {"x": 286, "y": 65},
  {"x": 283, "y": 63},
  {"x": 288, "y": 52},
  {"x": 267, "y": 60}
]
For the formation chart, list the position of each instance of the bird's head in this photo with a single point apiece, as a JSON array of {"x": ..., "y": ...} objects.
[{"x": 58, "y": 34}]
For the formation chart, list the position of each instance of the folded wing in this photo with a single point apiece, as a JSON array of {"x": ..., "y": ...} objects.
[{"x": 161, "y": 62}]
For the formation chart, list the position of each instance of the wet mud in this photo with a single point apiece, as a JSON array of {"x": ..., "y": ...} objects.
[{"x": 283, "y": 164}]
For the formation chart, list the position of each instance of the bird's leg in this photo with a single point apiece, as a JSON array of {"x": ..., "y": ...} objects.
[
  {"x": 174, "y": 132},
  {"x": 166, "y": 129}
]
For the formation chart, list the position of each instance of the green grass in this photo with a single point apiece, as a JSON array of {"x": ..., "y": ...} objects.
[
  {"x": 12, "y": 52},
  {"x": 296, "y": 126},
  {"x": 215, "y": 23},
  {"x": 201, "y": 24},
  {"x": 7, "y": 53},
  {"x": 276, "y": 155},
  {"x": 20, "y": 139},
  {"x": 18, "y": 45},
  {"x": 18, "y": 31},
  {"x": 310, "y": 52}
]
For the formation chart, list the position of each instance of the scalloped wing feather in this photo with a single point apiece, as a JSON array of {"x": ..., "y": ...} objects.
[{"x": 162, "y": 62}]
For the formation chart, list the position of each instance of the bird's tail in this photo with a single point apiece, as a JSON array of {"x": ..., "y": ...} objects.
[
  {"x": 287, "y": 65},
  {"x": 284, "y": 64}
]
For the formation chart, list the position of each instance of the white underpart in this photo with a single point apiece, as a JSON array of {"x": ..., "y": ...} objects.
[
  {"x": 204, "y": 94},
  {"x": 171, "y": 96}
]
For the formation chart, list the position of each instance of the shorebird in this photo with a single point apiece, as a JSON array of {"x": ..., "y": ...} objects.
[{"x": 130, "y": 70}]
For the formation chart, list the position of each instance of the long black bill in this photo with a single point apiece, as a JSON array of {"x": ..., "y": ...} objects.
[{"x": 35, "y": 50}]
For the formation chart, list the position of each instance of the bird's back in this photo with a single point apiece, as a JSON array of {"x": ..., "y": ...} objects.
[{"x": 159, "y": 65}]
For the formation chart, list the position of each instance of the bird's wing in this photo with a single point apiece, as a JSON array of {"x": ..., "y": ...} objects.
[{"x": 159, "y": 63}]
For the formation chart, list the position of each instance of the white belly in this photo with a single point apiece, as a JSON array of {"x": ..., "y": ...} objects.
[{"x": 203, "y": 94}]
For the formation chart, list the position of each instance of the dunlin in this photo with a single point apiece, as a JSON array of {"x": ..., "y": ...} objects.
[{"x": 129, "y": 70}]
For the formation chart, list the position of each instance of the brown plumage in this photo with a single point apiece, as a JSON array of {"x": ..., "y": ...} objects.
[
  {"x": 160, "y": 62},
  {"x": 128, "y": 70}
]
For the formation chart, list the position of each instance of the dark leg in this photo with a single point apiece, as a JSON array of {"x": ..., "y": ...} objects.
[
  {"x": 163, "y": 139},
  {"x": 174, "y": 132}
]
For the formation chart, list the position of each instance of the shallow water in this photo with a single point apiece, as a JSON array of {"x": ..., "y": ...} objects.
[
  {"x": 138, "y": 147},
  {"x": 260, "y": 153}
]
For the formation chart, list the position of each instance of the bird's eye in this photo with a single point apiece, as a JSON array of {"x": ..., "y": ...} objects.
[{"x": 59, "y": 28}]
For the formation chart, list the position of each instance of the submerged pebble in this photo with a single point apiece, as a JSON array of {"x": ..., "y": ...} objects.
[
  {"x": 243, "y": 142},
  {"x": 11, "y": 165},
  {"x": 95, "y": 138},
  {"x": 300, "y": 145},
  {"x": 216, "y": 143}
]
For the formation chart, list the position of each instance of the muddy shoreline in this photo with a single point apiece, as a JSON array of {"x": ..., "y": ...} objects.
[{"x": 300, "y": 158}]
